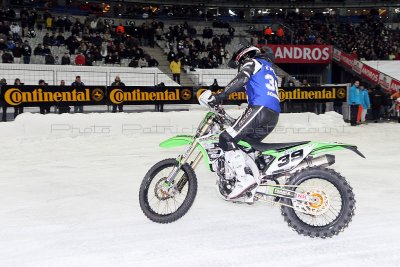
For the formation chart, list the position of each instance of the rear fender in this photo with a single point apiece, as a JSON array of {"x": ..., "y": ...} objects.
[{"x": 320, "y": 148}]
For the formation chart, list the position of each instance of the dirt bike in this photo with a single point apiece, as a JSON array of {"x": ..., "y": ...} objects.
[{"x": 315, "y": 201}]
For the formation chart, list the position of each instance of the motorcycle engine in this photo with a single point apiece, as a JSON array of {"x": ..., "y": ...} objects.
[{"x": 226, "y": 178}]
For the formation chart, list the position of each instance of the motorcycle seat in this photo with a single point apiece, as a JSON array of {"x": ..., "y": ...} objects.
[{"x": 274, "y": 146}]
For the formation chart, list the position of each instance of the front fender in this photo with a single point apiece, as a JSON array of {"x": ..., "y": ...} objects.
[
  {"x": 177, "y": 140},
  {"x": 182, "y": 140}
]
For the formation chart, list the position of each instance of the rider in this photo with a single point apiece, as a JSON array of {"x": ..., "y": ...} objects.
[{"x": 260, "y": 117}]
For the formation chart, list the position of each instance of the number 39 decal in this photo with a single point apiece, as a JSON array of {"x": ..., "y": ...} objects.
[{"x": 286, "y": 159}]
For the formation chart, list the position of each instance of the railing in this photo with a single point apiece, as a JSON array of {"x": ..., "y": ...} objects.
[{"x": 30, "y": 74}]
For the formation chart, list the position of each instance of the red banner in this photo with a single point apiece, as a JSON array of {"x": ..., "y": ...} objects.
[
  {"x": 366, "y": 71},
  {"x": 347, "y": 60},
  {"x": 370, "y": 74},
  {"x": 395, "y": 85},
  {"x": 302, "y": 53},
  {"x": 357, "y": 66},
  {"x": 384, "y": 80},
  {"x": 336, "y": 54}
]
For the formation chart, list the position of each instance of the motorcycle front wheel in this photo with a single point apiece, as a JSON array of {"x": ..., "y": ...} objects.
[{"x": 165, "y": 203}]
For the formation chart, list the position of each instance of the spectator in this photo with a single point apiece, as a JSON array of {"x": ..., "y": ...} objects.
[
  {"x": 79, "y": 85},
  {"x": 65, "y": 60},
  {"x": 62, "y": 107},
  {"x": 26, "y": 52},
  {"x": 17, "y": 53},
  {"x": 117, "y": 82},
  {"x": 280, "y": 33},
  {"x": 7, "y": 57},
  {"x": 365, "y": 103},
  {"x": 49, "y": 23},
  {"x": 134, "y": 63},
  {"x": 15, "y": 29},
  {"x": 67, "y": 24},
  {"x": 153, "y": 62},
  {"x": 354, "y": 102},
  {"x": 46, "y": 50},
  {"x": 3, "y": 82},
  {"x": 47, "y": 40},
  {"x": 116, "y": 59},
  {"x": 80, "y": 60},
  {"x": 60, "y": 24},
  {"x": 60, "y": 39},
  {"x": 49, "y": 59},
  {"x": 377, "y": 101},
  {"x": 396, "y": 98},
  {"x": 120, "y": 29},
  {"x": 175, "y": 68},
  {"x": 44, "y": 108},
  {"x": 72, "y": 44},
  {"x": 142, "y": 62},
  {"x": 40, "y": 22},
  {"x": 231, "y": 31},
  {"x": 159, "y": 107},
  {"x": 268, "y": 32},
  {"x": 214, "y": 87},
  {"x": 171, "y": 56},
  {"x": 20, "y": 109},
  {"x": 57, "y": 60},
  {"x": 38, "y": 50}
]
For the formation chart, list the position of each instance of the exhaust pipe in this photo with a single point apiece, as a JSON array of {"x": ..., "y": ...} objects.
[{"x": 324, "y": 161}]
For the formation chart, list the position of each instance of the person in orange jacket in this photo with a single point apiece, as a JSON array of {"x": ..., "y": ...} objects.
[
  {"x": 268, "y": 31},
  {"x": 396, "y": 98},
  {"x": 120, "y": 29},
  {"x": 280, "y": 32}
]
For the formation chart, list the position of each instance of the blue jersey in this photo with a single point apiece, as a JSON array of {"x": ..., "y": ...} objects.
[{"x": 262, "y": 88}]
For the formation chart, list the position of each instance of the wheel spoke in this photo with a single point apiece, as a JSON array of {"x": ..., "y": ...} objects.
[
  {"x": 160, "y": 201},
  {"x": 324, "y": 213}
]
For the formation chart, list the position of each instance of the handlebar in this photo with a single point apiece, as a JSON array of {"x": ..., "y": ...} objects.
[{"x": 221, "y": 111}]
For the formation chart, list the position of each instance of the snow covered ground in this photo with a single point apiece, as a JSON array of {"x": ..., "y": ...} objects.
[{"x": 69, "y": 197}]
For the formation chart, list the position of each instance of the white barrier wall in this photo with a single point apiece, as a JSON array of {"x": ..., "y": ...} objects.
[
  {"x": 205, "y": 77},
  {"x": 30, "y": 74}
]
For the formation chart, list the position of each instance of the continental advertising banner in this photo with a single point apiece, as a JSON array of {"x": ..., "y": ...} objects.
[
  {"x": 137, "y": 95},
  {"x": 35, "y": 95},
  {"x": 293, "y": 94},
  {"x": 303, "y": 54},
  {"x": 30, "y": 95},
  {"x": 313, "y": 94}
]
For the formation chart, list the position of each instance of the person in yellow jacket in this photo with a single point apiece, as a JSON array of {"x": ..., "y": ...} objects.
[
  {"x": 175, "y": 67},
  {"x": 49, "y": 23}
]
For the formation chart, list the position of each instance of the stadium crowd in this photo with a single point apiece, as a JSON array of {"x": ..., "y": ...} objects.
[
  {"x": 90, "y": 40},
  {"x": 368, "y": 40},
  {"x": 183, "y": 44}
]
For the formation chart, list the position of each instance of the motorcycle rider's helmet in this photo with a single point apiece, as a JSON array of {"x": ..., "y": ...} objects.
[{"x": 250, "y": 52}]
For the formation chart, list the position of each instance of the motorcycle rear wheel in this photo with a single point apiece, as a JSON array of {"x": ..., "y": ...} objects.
[{"x": 333, "y": 212}]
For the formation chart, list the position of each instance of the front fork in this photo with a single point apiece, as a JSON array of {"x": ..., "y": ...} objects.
[
  {"x": 185, "y": 157},
  {"x": 181, "y": 160}
]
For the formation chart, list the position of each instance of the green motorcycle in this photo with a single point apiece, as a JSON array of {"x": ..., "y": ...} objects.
[{"x": 315, "y": 200}]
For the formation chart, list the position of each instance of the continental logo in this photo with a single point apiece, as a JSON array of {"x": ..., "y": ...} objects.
[
  {"x": 341, "y": 93},
  {"x": 186, "y": 94},
  {"x": 118, "y": 96},
  {"x": 97, "y": 94},
  {"x": 241, "y": 96},
  {"x": 15, "y": 96},
  {"x": 324, "y": 94}
]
